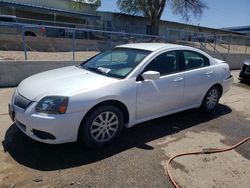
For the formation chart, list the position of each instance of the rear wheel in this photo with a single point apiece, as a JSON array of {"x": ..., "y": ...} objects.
[
  {"x": 211, "y": 99},
  {"x": 102, "y": 126}
]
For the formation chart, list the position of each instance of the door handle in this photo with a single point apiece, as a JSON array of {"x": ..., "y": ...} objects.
[
  {"x": 178, "y": 79},
  {"x": 209, "y": 73}
]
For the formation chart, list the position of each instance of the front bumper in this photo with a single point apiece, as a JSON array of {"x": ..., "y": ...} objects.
[
  {"x": 244, "y": 76},
  {"x": 245, "y": 73},
  {"x": 46, "y": 128},
  {"x": 227, "y": 83}
]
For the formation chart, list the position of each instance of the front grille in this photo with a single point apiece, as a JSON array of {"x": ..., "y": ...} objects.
[
  {"x": 243, "y": 69},
  {"x": 248, "y": 70},
  {"x": 21, "y": 101}
]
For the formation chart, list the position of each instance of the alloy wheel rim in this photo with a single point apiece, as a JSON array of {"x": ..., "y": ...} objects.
[
  {"x": 212, "y": 98},
  {"x": 104, "y": 126}
]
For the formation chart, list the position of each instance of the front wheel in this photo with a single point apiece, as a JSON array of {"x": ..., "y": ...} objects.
[
  {"x": 211, "y": 99},
  {"x": 102, "y": 126}
]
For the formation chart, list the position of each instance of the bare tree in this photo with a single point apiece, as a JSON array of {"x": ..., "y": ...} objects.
[{"x": 153, "y": 9}]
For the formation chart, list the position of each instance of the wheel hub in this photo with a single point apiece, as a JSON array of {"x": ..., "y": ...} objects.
[
  {"x": 212, "y": 98},
  {"x": 104, "y": 126}
]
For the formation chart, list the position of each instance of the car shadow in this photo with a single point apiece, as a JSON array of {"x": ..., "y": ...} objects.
[{"x": 47, "y": 157}]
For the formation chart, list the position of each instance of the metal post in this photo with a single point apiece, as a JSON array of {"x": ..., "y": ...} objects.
[
  {"x": 73, "y": 38},
  {"x": 166, "y": 37},
  {"x": 187, "y": 34},
  {"x": 205, "y": 41},
  {"x": 246, "y": 47},
  {"x": 200, "y": 41},
  {"x": 124, "y": 35},
  {"x": 111, "y": 43},
  {"x": 215, "y": 43},
  {"x": 229, "y": 43},
  {"x": 193, "y": 39},
  {"x": 54, "y": 20},
  {"x": 24, "y": 44}
]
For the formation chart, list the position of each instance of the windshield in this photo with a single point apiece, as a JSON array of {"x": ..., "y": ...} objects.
[{"x": 117, "y": 63}]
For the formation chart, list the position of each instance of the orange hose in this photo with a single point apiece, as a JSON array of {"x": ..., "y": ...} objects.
[{"x": 204, "y": 151}]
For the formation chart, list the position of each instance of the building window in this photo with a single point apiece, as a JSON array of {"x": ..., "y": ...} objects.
[
  {"x": 109, "y": 25},
  {"x": 148, "y": 30}
]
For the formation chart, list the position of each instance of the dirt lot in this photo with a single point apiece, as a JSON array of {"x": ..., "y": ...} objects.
[
  {"x": 81, "y": 55},
  {"x": 138, "y": 157},
  {"x": 46, "y": 56}
]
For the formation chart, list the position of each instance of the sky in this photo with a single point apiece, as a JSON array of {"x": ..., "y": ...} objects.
[{"x": 220, "y": 13}]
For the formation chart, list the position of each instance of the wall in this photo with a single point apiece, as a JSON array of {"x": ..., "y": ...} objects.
[
  {"x": 13, "y": 72},
  {"x": 235, "y": 60}
]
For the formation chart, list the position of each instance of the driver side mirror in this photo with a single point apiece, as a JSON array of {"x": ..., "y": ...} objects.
[{"x": 151, "y": 75}]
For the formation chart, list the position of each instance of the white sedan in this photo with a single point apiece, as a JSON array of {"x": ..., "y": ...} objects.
[{"x": 118, "y": 88}]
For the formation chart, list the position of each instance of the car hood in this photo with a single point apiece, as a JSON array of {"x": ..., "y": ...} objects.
[{"x": 63, "y": 82}]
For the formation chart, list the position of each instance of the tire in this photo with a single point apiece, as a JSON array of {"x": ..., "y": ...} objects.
[
  {"x": 211, "y": 99},
  {"x": 101, "y": 126}
]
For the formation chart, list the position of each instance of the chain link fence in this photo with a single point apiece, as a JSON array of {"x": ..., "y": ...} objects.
[
  {"x": 43, "y": 42},
  {"x": 214, "y": 44}
]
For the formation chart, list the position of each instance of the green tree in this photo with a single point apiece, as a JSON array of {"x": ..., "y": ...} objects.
[{"x": 153, "y": 9}]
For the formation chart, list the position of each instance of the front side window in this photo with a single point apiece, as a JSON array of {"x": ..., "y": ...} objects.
[
  {"x": 117, "y": 63},
  {"x": 165, "y": 63},
  {"x": 194, "y": 60}
]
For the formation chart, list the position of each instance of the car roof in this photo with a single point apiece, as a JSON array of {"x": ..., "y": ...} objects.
[{"x": 149, "y": 46}]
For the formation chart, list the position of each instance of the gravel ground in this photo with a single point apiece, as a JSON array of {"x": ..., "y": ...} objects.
[
  {"x": 19, "y": 55},
  {"x": 80, "y": 55},
  {"x": 138, "y": 157}
]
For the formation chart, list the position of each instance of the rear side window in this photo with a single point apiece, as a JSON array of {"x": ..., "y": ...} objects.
[
  {"x": 194, "y": 60},
  {"x": 165, "y": 63}
]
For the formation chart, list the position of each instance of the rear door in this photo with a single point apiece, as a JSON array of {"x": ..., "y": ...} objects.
[{"x": 199, "y": 77}]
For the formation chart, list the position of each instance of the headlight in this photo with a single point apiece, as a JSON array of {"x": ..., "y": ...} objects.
[{"x": 53, "y": 105}]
